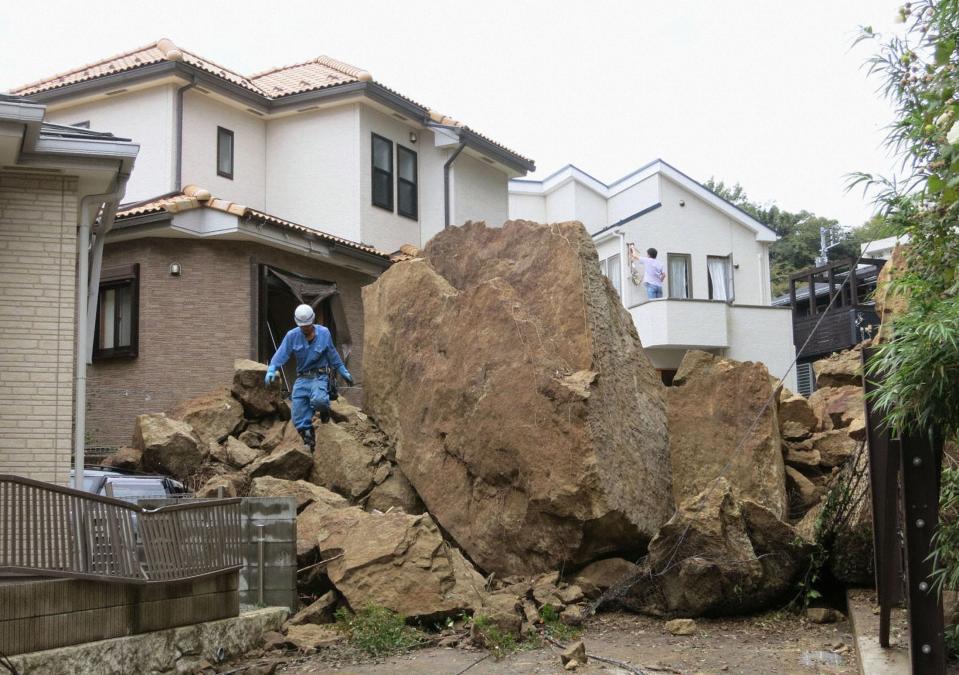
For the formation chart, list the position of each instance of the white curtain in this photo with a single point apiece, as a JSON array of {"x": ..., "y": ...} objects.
[
  {"x": 677, "y": 277},
  {"x": 717, "y": 276}
]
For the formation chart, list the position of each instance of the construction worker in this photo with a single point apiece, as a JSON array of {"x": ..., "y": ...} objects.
[
  {"x": 313, "y": 347},
  {"x": 653, "y": 273}
]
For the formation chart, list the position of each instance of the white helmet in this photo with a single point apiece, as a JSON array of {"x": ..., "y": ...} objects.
[{"x": 304, "y": 315}]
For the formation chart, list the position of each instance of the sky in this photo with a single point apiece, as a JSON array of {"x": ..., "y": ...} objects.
[{"x": 767, "y": 93}]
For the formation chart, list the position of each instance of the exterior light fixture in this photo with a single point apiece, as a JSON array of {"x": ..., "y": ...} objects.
[
  {"x": 412, "y": 137},
  {"x": 175, "y": 269},
  {"x": 682, "y": 202}
]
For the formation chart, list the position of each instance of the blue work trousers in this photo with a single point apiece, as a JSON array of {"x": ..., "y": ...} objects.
[
  {"x": 309, "y": 395},
  {"x": 653, "y": 292}
]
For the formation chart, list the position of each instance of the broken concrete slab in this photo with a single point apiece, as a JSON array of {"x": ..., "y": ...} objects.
[{"x": 515, "y": 373}]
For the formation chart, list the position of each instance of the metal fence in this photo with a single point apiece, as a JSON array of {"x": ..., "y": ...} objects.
[{"x": 48, "y": 530}]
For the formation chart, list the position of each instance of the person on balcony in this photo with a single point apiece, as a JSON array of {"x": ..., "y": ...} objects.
[
  {"x": 313, "y": 348},
  {"x": 653, "y": 273}
]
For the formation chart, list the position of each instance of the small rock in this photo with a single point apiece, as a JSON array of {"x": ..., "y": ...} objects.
[
  {"x": 575, "y": 652},
  {"x": 572, "y": 664},
  {"x": 824, "y": 615},
  {"x": 570, "y": 594},
  {"x": 574, "y": 615},
  {"x": 308, "y": 637},
  {"x": 681, "y": 627}
]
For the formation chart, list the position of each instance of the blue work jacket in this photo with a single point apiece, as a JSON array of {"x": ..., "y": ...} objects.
[{"x": 309, "y": 355}]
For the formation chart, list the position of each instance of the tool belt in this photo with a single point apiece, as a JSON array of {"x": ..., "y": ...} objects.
[
  {"x": 312, "y": 374},
  {"x": 331, "y": 388}
]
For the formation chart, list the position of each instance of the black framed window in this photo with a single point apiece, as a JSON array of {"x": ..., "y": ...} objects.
[
  {"x": 118, "y": 307},
  {"x": 382, "y": 162},
  {"x": 224, "y": 153},
  {"x": 407, "y": 202}
]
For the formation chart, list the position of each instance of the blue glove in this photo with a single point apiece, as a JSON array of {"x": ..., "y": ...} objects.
[
  {"x": 271, "y": 375},
  {"x": 345, "y": 374}
]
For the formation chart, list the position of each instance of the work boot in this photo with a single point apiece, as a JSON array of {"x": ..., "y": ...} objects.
[
  {"x": 324, "y": 415},
  {"x": 309, "y": 440}
]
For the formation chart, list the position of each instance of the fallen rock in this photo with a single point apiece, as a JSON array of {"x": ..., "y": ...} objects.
[
  {"x": 309, "y": 637},
  {"x": 237, "y": 453},
  {"x": 839, "y": 369},
  {"x": 397, "y": 561},
  {"x": 837, "y": 407},
  {"x": 310, "y": 524},
  {"x": 719, "y": 555},
  {"x": 852, "y": 559},
  {"x": 794, "y": 431},
  {"x": 796, "y": 412},
  {"x": 802, "y": 457},
  {"x": 223, "y": 485},
  {"x": 570, "y": 594},
  {"x": 575, "y": 652},
  {"x": 890, "y": 305},
  {"x": 484, "y": 369},
  {"x": 395, "y": 493},
  {"x": 341, "y": 462},
  {"x": 824, "y": 615},
  {"x": 126, "y": 459},
  {"x": 281, "y": 434},
  {"x": 804, "y": 493},
  {"x": 574, "y": 615},
  {"x": 598, "y": 577},
  {"x": 249, "y": 388},
  {"x": 713, "y": 432},
  {"x": 680, "y": 627},
  {"x": 834, "y": 447},
  {"x": 320, "y": 611},
  {"x": 503, "y": 611},
  {"x": 289, "y": 463},
  {"x": 168, "y": 446},
  {"x": 213, "y": 416},
  {"x": 303, "y": 492}
]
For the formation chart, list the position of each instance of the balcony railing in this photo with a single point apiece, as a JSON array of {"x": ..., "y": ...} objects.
[{"x": 49, "y": 530}]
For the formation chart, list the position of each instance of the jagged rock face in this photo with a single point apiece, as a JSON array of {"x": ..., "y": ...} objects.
[
  {"x": 712, "y": 431},
  {"x": 524, "y": 411},
  {"x": 168, "y": 446},
  {"x": 719, "y": 555},
  {"x": 397, "y": 561},
  {"x": 213, "y": 416}
]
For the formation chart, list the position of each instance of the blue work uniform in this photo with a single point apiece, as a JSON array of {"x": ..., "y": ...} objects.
[{"x": 310, "y": 389}]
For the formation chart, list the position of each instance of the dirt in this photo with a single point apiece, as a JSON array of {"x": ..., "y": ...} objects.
[{"x": 766, "y": 643}]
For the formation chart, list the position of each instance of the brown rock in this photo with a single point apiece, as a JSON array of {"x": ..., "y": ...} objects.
[
  {"x": 834, "y": 447},
  {"x": 852, "y": 561},
  {"x": 258, "y": 399},
  {"x": 824, "y": 615},
  {"x": 280, "y": 434},
  {"x": 575, "y": 652},
  {"x": 168, "y": 446},
  {"x": 680, "y": 627},
  {"x": 309, "y": 637},
  {"x": 310, "y": 526},
  {"x": 503, "y": 611},
  {"x": 305, "y": 493},
  {"x": 231, "y": 484},
  {"x": 319, "y": 611},
  {"x": 802, "y": 458},
  {"x": 127, "y": 459},
  {"x": 796, "y": 412},
  {"x": 289, "y": 463},
  {"x": 395, "y": 493},
  {"x": 484, "y": 369},
  {"x": 794, "y": 431},
  {"x": 343, "y": 411},
  {"x": 574, "y": 615},
  {"x": 891, "y": 305},
  {"x": 597, "y": 577},
  {"x": 719, "y": 555},
  {"x": 837, "y": 407},
  {"x": 341, "y": 462},
  {"x": 238, "y": 453},
  {"x": 839, "y": 370},
  {"x": 213, "y": 416},
  {"x": 397, "y": 561},
  {"x": 804, "y": 493},
  {"x": 548, "y": 595},
  {"x": 712, "y": 431},
  {"x": 570, "y": 594},
  {"x": 806, "y": 528}
]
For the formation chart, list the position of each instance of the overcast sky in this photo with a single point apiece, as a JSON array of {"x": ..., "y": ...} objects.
[{"x": 766, "y": 93}]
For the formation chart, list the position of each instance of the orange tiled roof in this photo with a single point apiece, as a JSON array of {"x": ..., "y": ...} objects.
[
  {"x": 319, "y": 73},
  {"x": 194, "y": 197}
]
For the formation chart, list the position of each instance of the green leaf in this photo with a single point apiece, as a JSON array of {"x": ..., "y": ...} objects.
[
  {"x": 944, "y": 50},
  {"x": 934, "y": 184}
]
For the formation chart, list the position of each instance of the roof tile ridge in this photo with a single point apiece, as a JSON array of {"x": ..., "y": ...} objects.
[{"x": 92, "y": 64}]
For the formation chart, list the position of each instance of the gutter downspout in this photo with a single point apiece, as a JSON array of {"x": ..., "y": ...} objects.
[
  {"x": 446, "y": 182},
  {"x": 179, "y": 132}
]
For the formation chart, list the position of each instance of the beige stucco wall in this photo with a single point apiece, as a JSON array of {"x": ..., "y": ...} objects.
[{"x": 37, "y": 306}]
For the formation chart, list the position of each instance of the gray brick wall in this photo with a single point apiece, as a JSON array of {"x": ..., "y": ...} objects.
[
  {"x": 38, "y": 225},
  {"x": 193, "y": 326}
]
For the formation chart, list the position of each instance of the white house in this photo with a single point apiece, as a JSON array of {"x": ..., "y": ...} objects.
[
  {"x": 319, "y": 143},
  {"x": 716, "y": 256}
]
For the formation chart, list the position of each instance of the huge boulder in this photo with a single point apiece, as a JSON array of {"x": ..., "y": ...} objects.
[
  {"x": 839, "y": 370},
  {"x": 342, "y": 463},
  {"x": 286, "y": 462},
  {"x": 213, "y": 416},
  {"x": 719, "y": 555},
  {"x": 168, "y": 446},
  {"x": 523, "y": 409},
  {"x": 722, "y": 422},
  {"x": 839, "y": 407},
  {"x": 397, "y": 561},
  {"x": 258, "y": 398}
]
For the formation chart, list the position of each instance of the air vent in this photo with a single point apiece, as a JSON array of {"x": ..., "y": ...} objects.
[
  {"x": 115, "y": 92},
  {"x": 255, "y": 112},
  {"x": 488, "y": 160},
  {"x": 805, "y": 378},
  {"x": 399, "y": 117},
  {"x": 308, "y": 108}
]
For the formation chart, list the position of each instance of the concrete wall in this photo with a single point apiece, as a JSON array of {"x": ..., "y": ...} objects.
[
  {"x": 633, "y": 199},
  {"x": 183, "y": 350},
  {"x": 313, "y": 170},
  {"x": 202, "y": 115},
  {"x": 37, "y": 312},
  {"x": 147, "y": 117},
  {"x": 763, "y": 334},
  {"x": 479, "y": 192},
  {"x": 527, "y": 207}
]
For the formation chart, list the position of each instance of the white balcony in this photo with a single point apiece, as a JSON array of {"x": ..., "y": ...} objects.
[{"x": 686, "y": 324}]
